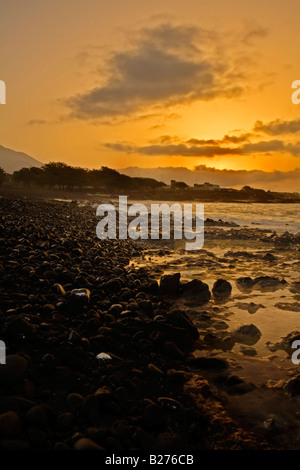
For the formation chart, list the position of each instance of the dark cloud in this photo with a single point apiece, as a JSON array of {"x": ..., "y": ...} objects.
[
  {"x": 278, "y": 127},
  {"x": 166, "y": 65},
  {"x": 253, "y": 33},
  {"x": 173, "y": 150},
  {"x": 206, "y": 148},
  {"x": 35, "y": 122},
  {"x": 227, "y": 139},
  {"x": 236, "y": 139}
]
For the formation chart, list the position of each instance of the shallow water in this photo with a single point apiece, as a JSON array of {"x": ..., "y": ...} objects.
[
  {"x": 277, "y": 217},
  {"x": 276, "y": 311}
]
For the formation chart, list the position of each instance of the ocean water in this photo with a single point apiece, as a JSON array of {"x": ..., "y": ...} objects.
[
  {"x": 276, "y": 311},
  {"x": 274, "y": 217}
]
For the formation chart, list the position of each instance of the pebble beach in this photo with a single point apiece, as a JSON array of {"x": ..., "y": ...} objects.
[{"x": 108, "y": 350}]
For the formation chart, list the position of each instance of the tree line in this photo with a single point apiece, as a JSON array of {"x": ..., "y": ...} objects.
[{"x": 63, "y": 176}]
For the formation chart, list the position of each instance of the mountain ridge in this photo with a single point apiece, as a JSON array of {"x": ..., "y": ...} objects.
[{"x": 12, "y": 160}]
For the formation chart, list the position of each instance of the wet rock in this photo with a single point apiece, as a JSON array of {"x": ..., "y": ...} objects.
[
  {"x": 181, "y": 319},
  {"x": 115, "y": 309},
  {"x": 292, "y": 307},
  {"x": 37, "y": 416},
  {"x": 237, "y": 386},
  {"x": 227, "y": 343},
  {"x": 14, "y": 371},
  {"x": 293, "y": 386},
  {"x": 295, "y": 287},
  {"x": 220, "y": 325},
  {"x": 60, "y": 290},
  {"x": 80, "y": 297},
  {"x": 245, "y": 283},
  {"x": 196, "y": 290},
  {"x": 252, "y": 307},
  {"x": 104, "y": 394},
  {"x": 169, "y": 404},
  {"x": 266, "y": 283},
  {"x": 272, "y": 425},
  {"x": 18, "y": 329},
  {"x": 87, "y": 444},
  {"x": 104, "y": 357},
  {"x": 246, "y": 334},
  {"x": 74, "y": 401},
  {"x": 269, "y": 257},
  {"x": 154, "y": 370},
  {"x": 212, "y": 340},
  {"x": 49, "y": 361},
  {"x": 169, "y": 284},
  {"x": 286, "y": 344},
  {"x": 248, "y": 351},
  {"x": 221, "y": 289},
  {"x": 10, "y": 425}
]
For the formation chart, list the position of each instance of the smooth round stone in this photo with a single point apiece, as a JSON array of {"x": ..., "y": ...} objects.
[
  {"x": 14, "y": 371},
  {"x": 87, "y": 444},
  {"x": 247, "y": 334},
  {"x": 10, "y": 425},
  {"x": 37, "y": 416},
  {"x": 74, "y": 400}
]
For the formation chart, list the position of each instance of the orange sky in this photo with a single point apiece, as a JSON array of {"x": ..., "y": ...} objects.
[{"x": 152, "y": 84}]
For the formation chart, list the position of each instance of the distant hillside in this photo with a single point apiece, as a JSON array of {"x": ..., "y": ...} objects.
[
  {"x": 274, "y": 180},
  {"x": 11, "y": 161}
]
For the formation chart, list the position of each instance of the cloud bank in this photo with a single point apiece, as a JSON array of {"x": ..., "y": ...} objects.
[
  {"x": 165, "y": 65},
  {"x": 209, "y": 148}
]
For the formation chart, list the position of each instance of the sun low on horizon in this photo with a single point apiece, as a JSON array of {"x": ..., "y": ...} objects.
[{"x": 202, "y": 86}]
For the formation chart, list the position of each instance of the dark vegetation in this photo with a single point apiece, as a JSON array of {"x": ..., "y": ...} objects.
[{"x": 62, "y": 177}]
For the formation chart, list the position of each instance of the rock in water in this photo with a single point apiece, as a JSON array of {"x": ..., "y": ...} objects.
[
  {"x": 197, "y": 290},
  {"x": 181, "y": 319},
  {"x": 247, "y": 334},
  {"x": 293, "y": 386},
  {"x": 221, "y": 289},
  {"x": 169, "y": 284}
]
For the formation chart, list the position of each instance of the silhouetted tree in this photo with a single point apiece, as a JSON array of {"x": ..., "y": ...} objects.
[
  {"x": 2, "y": 176},
  {"x": 29, "y": 176}
]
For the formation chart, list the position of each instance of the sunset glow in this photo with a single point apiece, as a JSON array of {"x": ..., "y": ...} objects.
[{"x": 182, "y": 84}]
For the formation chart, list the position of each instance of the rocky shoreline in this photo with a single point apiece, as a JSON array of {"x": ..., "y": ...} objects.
[{"x": 99, "y": 356}]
